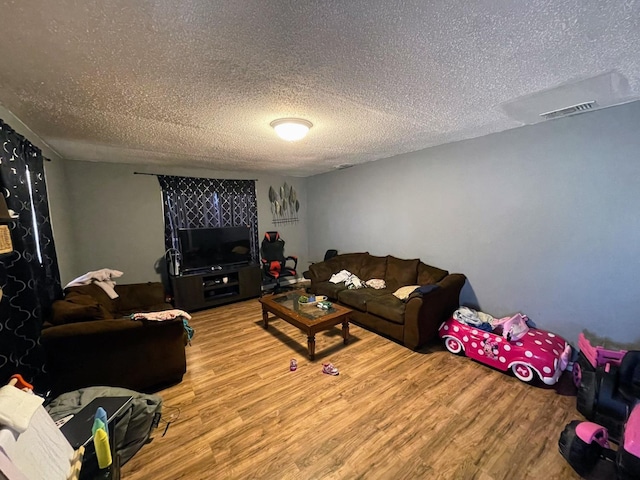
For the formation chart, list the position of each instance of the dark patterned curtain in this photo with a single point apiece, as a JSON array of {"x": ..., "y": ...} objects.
[
  {"x": 29, "y": 275},
  {"x": 208, "y": 202}
]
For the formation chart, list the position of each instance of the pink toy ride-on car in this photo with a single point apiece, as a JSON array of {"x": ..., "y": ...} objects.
[
  {"x": 608, "y": 384},
  {"x": 582, "y": 444},
  {"x": 511, "y": 345}
]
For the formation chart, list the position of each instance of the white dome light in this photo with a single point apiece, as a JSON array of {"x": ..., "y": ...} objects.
[{"x": 291, "y": 129}]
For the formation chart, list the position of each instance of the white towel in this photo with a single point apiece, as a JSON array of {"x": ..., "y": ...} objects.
[{"x": 17, "y": 407}]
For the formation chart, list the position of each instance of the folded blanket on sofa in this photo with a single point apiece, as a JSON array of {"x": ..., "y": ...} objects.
[{"x": 104, "y": 278}]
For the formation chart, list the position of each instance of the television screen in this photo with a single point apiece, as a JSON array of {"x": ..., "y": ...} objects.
[{"x": 209, "y": 247}]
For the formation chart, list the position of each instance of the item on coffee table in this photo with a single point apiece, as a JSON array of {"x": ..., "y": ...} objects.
[{"x": 311, "y": 299}]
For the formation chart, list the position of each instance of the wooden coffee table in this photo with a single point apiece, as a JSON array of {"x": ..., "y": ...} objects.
[{"x": 308, "y": 318}]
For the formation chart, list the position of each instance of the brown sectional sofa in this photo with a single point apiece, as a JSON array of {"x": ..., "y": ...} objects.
[
  {"x": 412, "y": 322},
  {"x": 89, "y": 340}
]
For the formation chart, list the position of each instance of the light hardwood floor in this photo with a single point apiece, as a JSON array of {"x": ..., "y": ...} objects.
[{"x": 392, "y": 413}]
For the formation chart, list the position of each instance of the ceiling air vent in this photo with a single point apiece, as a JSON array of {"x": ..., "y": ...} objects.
[
  {"x": 561, "y": 112},
  {"x": 584, "y": 95}
]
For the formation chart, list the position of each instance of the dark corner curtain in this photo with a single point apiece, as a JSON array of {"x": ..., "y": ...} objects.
[
  {"x": 208, "y": 202},
  {"x": 29, "y": 275}
]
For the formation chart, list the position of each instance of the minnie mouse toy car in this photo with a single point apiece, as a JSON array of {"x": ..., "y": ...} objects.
[{"x": 507, "y": 344}]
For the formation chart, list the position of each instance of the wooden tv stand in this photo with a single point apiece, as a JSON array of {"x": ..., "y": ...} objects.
[{"x": 208, "y": 289}]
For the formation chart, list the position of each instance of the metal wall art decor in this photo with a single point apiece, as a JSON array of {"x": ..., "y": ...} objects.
[{"x": 284, "y": 204}]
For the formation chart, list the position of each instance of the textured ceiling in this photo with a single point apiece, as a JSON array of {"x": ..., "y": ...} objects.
[{"x": 197, "y": 82}]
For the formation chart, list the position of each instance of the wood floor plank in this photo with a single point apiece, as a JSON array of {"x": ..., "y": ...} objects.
[{"x": 392, "y": 413}]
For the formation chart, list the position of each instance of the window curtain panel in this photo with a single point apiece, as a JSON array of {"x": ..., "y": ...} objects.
[
  {"x": 208, "y": 202},
  {"x": 29, "y": 286}
]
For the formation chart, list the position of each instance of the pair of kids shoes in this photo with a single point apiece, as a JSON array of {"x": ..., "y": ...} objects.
[{"x": 329, "y": 369}]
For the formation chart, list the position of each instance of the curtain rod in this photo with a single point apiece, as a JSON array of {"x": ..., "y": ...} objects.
[{"x": 188, "y": 176}]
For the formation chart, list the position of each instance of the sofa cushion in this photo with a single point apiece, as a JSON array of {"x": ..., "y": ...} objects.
[
  {"x": 355, "y": 298},
  {"x": 133, "y": 298},
  {"x": 321, "y": 271},
  {"x": 98, "y": 294},
  {"x": 329, "y": 289},
  {"x": 353, "y": 262},
  {"x": 401, "y": 272},
  {"x": 66, "y": 311},
  {"x": 358, "y": 298},
  {"x": 387, "y": 307},
  {"x": 373, "y": 267},
  {"x": 428, "y": 275},
  {"x": 140, "y": 296}
]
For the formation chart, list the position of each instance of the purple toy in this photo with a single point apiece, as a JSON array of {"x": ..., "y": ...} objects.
[{"x": 526, "y": 351}]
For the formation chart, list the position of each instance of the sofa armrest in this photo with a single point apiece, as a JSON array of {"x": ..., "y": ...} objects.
[
  {"x": 116, "y": 352},
  {"x": 425, "y": 313}
]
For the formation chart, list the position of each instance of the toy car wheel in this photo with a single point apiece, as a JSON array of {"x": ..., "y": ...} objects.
[
  {"x": 577, "y": 374},
  {"x": 453, "y": 345},
  {"x": 522, "y": 371},
  {"x": 581, "y": 456},
  {"x": 587, "y": 395}
]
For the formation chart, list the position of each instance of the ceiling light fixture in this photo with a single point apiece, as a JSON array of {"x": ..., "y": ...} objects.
[{"x": 291, "y": 129}]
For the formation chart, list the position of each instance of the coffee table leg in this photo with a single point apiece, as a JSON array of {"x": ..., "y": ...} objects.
[
  {"x": 345, "y": 332},
  {"x": 265, "y": 318},
  {"x": 311, "y": 346}
]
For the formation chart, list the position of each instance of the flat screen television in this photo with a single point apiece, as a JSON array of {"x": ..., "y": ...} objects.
[{"x": 204, "y": 248}]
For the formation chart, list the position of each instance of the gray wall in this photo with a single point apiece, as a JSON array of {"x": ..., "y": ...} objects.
[
  {"x": 117, "y": 218},
  {"x": 542, "y": 219}
]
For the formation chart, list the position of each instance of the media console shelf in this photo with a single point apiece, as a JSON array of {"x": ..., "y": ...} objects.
[{"x": 216, "y": 287}]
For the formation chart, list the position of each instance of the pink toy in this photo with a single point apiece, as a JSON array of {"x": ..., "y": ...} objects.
[
  {"x": 535, "y": 352},
  {"x": 631, "y": 440},
  {"x": 606, "y": 387},
  {"x": 599, "y": 355},
  {"x": 583, "y": 444},
  {"x": 596, "y": 357}
]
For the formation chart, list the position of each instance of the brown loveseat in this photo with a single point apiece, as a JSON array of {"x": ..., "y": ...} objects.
[
  {"x": 89, "y": 340},
  {"x": 411, "y": 322}
]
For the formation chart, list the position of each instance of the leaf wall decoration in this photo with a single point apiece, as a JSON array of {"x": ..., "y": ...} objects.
[{"x": 284, "y": 203}]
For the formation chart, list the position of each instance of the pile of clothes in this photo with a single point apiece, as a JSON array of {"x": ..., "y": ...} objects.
[
  {"x": 511, "y": 328},
  {"x": 353, "y": 282}
]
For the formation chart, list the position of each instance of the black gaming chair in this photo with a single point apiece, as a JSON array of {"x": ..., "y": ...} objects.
[{"x": 274, "y": 263}]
